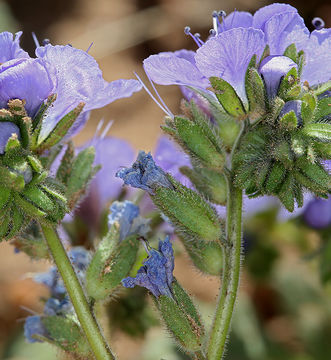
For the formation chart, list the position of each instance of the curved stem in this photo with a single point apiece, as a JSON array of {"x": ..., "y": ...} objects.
[
  {"x": 86, "y": 318},
  {"x": 231, "y": 274}
]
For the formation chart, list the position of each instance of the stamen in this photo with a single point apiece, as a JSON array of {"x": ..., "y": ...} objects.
[
  {"x": 46, "y": 42},
  {"x": 187, "y": 31},
  {"x": 215, "y": 21},
  {"x": 198, "y": 37},
  {"x": 153, "y": 98},
  {"x": 89, "y": 48},
  {"x": 35, "y": 39},
  {"x": 212, "y": 32},
  {"x": 145, "y": 245},
  {"x": 158, "y": 95},
  {"x": 106, "y": 129},
  {"x": 318, "y": 23}
]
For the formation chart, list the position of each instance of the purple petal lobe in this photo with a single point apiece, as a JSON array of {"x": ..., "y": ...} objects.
[
  {"x": 284, "y": 29},
  {"x": 273, "y": 69},
  {"x": 170, "y": 158},
  {"x": 267, "y": 12},
  {"x": 228, "y": 54},
  {"x": 171, "y": 69},
  {"x": 79, "y": 79},
  {"x": 156, "y": 274},
  {"x": 26, "y": 79},
  {"x": 318, "y": 213},
  {"x": 236, "y": 19},
  {"x": 7, "y": 129},
  {"x": 34, "y": 326},
  {"x": 112, "y": 154},
  {"x": 10, "y": 47},
  {"x": 317, "y": 50}
]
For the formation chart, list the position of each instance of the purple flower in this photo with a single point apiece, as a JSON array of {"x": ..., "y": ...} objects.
[
  {"x": 295, "y": 106},
  {"x": 237, "y": 38},
  {"x": 72, "y": 74},
  {"x": 144, "y": 174},
  {"x": 126, "y": 214},
  {"x": 156, "y": 274},
  {"x": 317, "y": 213}
]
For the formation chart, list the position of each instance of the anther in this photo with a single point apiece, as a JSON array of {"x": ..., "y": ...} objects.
[
  {"x": 187, "y": 31},
  {"x": 318, "y": 23},
  {"x": 46, "y": 42},
  {"x": 212, "y": 32}
]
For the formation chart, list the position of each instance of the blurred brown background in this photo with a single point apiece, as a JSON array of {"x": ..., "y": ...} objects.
[{"x": 123, "y": 32}]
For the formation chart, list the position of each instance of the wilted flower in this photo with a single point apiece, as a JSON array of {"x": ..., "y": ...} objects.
[
  {"x": 144, "y": 174},
  {"x": 156, "y": 274}
]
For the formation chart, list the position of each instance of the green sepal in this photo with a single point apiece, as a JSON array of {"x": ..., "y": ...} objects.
[
  {"x": 10, "y": 179},
  {"x": 256, "y": 95},
  {"x": 200, "y": 142},
  {"x": 323, "y": 150},
  {"x": 321, "y": 88},
  {"x": 37, "y": 197},
  {"x": 266, "y": 53},
  {"x": 37, "y": 120},
  {"x": 229, "y": 130},
  {"x": 61, "y": 129},
  {"x": 16, "y": 223},
  {"x": 4, "y": 225},
  {"x": 308, "y": 106},
  {"x": 301, "y": 62},
  {"x": 181, "y": 318},
  {"x": 111, "y": 263},
  {"x": 316, "y": 173},
  {"x": 13, "y": 147},
  {"x": 5, "y": 194},
  {"x": 188, "y": 211},
  {"x": 64, "y": 169},
  {"x": 291, "y": 52},
  {"x": 211, "y": 184},
  {"x": 286, "y": 194},
  {"x": 67, "y": 334},
  {"x": 323, "y": 109},
  {"x": 276, "y": 108},
  {"x": 81, "y": 173},
  {"x": 320, "y": 131},
  {"x": 275, "y": 178},
  {"x": 288, "y": 85},
  {"x": 206, "y": 256},
  {"x": 228, "y": 98},
  {"x": 29, "y": 209},
  {"x": 289, "y": 121}
]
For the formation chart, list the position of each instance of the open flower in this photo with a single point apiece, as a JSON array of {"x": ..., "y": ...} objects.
[
  {"x": 72, "y": 74},
  {"x": 235, "y": 40}
]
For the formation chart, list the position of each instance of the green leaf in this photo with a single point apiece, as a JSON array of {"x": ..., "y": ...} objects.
[
  {"x": 36, "y": 196},
  {"x": 322, "y": 88},
  {"x": 5, "y": 194},
  {"x": 323, "y": 109},
  {"x": 289, "y": 121},
  {"x": 228, "y": 98},
  {"x": 275, "y": 178}
]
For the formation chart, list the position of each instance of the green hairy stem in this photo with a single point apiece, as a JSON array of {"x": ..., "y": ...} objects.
[{"x": 87, "y": 320}]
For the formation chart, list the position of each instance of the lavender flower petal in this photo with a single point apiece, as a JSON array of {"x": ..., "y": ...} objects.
[
  {"x": 10, "y": 47},
  {"x": 79, "y": 79},
  {"x": 318, "y": 213},
  {"x": 171, "y": 69},
  {"x": 34, "y": 326},
  {"x": 26, "y": 79},
  {"x": 228, "y": 54},
  {"x": 236, "y": 19}
]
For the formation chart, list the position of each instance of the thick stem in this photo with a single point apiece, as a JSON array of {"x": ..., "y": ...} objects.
[
  {"x": 87, "y": 320},
  {"x": 231, "y": 273}
]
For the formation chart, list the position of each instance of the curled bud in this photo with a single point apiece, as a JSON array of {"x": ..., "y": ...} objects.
[
  {"x": 7, "y": 129},
  {"x": 273, "y": 69}
]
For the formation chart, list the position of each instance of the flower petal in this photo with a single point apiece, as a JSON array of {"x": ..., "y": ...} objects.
[
  {"x": 267, "y": 12},
  {"x": 228, "y": 54},
  {"x": 26, "y": 79},
  {"x": 236, "y": 19},
  {"x": 79, "y": 80},
  {"x": 171, "y": 69},
  {"x": 10, "y": 47},
  {"x": 284, "y": 29}
]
